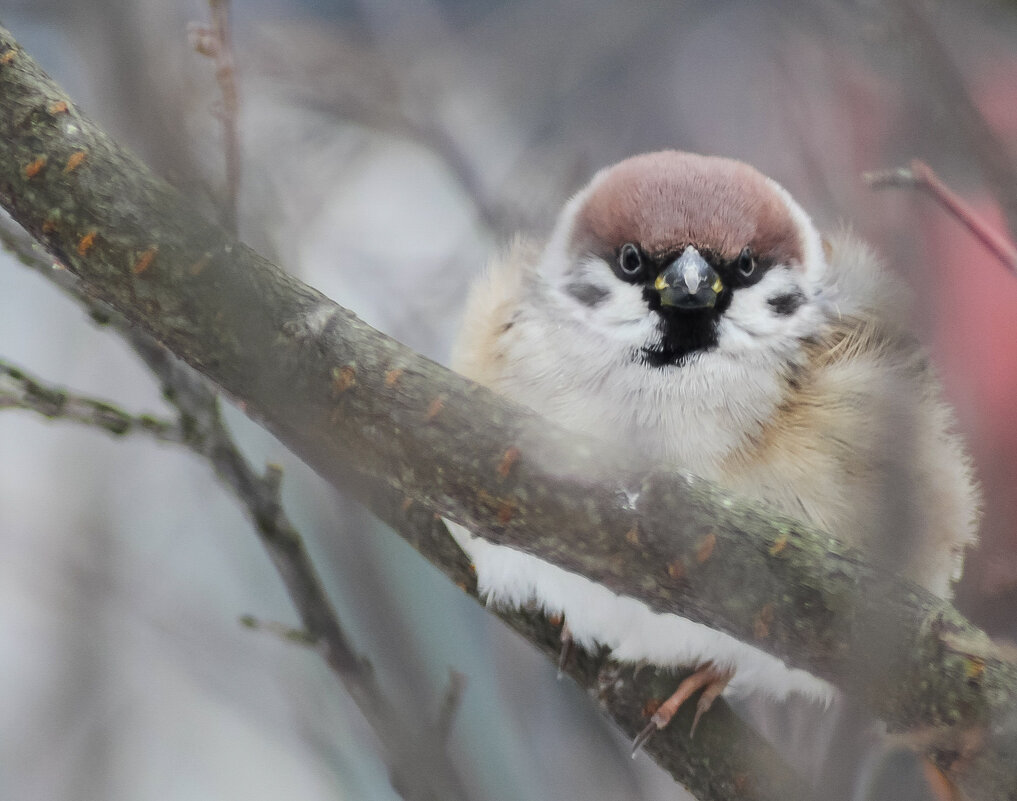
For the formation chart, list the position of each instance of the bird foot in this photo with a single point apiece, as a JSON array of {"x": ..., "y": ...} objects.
[{"x": 710, "y": 679}]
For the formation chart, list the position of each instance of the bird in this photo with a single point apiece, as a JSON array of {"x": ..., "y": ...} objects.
[{"x": 685, "y": 306}]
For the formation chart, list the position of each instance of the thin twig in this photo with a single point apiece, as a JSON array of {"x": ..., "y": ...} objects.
[
  {"x": 289, "y": 634},
  {"x": 363, "y": 87},
  {"x": 214, "y": 41},
  {"x": 918, "y": 175},
  {"x": 941, "y": 74},
  {"x": 20, "y": 390}
]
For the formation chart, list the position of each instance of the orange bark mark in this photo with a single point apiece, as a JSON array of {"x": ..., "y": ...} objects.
[
  {"x": 435, "y": 408},
  {"x": 392, "y": 377},
  {"x": 35, "y": 167},
  {"x": 632, "y": 535},
  {"x": 974, "y": 667},
  {"x": 510, "y": 457},
  {"x": 676, "y": 569},
  {"x": 705, "y": 548},
  {"x": 145, "y": 260},
  {"x": 506, "y": 510},
  {"x": 86, "y": 242},
  {"x": 49, "y": 225},
  {"x": 342, "y": 379},
  {"x": 74, "y": 161},
  {"x": 779, "y": 545},
  {"x": 761, "y": 625},
  {"x": 59, "y": 107},
  {"x": 198, "y": 267},
  {"x": 8, "y": 56}
]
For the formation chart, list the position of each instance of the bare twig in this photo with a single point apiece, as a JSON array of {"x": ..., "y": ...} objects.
[
  {"x": 214, "y": 41},
  {"x": 941, "y": 74},
  {"x": 361, "y": 87},
  {"x": 205, "y": 433},
  {"x": 280, "y": 630},
  {"x": 19, "y": 390},
  {"x": 918, "y": 175}
]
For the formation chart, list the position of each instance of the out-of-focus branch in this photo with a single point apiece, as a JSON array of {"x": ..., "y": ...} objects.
[
  {"x": 419, "y": 763},
  {"x": 214, "y": 41},
  {"x": 360, "y": 87},
  {"x": 942, "y": 75},
  {"x": 372, "y": 416},
  {"x": 918, "y": 175},
  {"x": 19, "y": 390}
]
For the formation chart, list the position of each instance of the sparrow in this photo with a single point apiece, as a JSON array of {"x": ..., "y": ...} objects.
[{"x": 685, "y": 306}]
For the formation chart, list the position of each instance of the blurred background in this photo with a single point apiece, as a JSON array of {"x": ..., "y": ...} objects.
[{"x": 389, "y": 144}]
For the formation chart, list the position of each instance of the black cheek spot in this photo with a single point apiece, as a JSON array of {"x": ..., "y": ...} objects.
[
  {"x": 587, "y": 294},
  {"x": 788, "y": 304}
]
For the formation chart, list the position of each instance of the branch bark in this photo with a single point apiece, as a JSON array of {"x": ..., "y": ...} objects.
[
  {"x": 418, "y": 761},
  {"x": 20, "y": 390},
  {"x": 371, "y": 415}
]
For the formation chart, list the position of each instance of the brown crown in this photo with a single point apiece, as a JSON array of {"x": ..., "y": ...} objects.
[{"x": 667, "y": 200}]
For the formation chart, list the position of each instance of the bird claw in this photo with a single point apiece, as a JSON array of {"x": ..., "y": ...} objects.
[
  {"x": 710, "y": 679},
  {"x": 709, "y": 695},
  {"x": 643, "y": 736}
]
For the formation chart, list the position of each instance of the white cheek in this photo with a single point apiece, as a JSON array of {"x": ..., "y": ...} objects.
[
  {"x": 750, "y": 322},
  {"x": 622, "y": 315},
  {"x": 625, "y": 305}
]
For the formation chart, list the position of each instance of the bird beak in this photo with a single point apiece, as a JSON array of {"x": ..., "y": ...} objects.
[{"x": 689, "y": 282}]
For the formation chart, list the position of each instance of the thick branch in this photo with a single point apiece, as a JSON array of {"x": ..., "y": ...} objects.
[{"x": 352, "y": 402}]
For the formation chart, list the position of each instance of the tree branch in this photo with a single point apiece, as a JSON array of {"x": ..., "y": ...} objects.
[
  {"x": 941, "y": 73},
  {"x": 919, "y": 175},
  {"x": 20, "y": 390},
  {"x": 214, "y": 42},
  {"x": 418, "y": 761},
  {"x": 369, "y": 414}
]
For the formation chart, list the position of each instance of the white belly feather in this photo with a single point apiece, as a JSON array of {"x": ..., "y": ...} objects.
[{"x": 633, "y": 631}]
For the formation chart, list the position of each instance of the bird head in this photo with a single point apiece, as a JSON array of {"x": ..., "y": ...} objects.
[{"x": 675, "y": 255}]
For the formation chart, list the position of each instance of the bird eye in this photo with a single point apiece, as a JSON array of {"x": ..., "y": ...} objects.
[
  {"x": 630, "y": 260},
  {"x": 746, "y": 262}
]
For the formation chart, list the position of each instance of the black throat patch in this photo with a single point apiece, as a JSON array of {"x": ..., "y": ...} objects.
[{"x": 683, "y": 331}]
